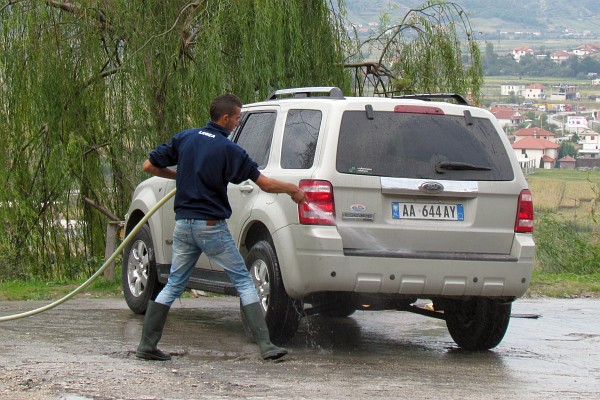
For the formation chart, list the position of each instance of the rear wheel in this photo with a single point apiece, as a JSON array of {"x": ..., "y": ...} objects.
[
  {"x": 139, "y": 275},
  {"x": 282, "y": 313},
  {"x": 477, "y": 324}
]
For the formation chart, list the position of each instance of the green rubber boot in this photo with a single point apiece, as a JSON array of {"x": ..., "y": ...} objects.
[
  {"x": 154, "y": 322},
  {"x": 255, "y": 320}
]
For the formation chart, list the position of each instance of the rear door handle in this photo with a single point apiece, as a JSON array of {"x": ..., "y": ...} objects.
[{"x": 246, "y": 188}]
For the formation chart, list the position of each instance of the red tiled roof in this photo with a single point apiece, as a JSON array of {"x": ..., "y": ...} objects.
[
  {"x": 507, "y": 114},
  {"x": 547, "y": 159},
  {"x": 536, "y": 132},
  {"x": 536, "y": 86},
  {"x": 496, "y": 108},
  {"x": 523, "y": 48},
  {"x": 567, "y": 159},
  {"x": 534, "y": 144},
  {"x": 589, "y": 47}
]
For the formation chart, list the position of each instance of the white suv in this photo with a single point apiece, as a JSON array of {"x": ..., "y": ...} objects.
[{"x": 409, "y": 199}]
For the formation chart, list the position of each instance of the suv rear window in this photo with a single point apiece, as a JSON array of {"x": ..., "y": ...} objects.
[{"x": 405, "y": 145}]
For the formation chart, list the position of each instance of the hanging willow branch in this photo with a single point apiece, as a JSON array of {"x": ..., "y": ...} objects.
[
  {"x": 431, "y": 49},
  {"x": 109, "y": 80}
]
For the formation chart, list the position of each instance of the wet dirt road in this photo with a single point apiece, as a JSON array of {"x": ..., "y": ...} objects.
[{"x": 84, "y": 349}]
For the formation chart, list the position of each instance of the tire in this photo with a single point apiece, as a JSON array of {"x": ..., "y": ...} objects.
[
  {"x": 477, "y": 324},
  {"x": 139, "y": 275},
  {"x": 337, "y": 305},
  {"x": 282, "y": 313}
]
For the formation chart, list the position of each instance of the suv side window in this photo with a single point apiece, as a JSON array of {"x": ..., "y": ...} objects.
[
  {"x": 300, "y": 139},
  {"x": 255, "y": 136}
]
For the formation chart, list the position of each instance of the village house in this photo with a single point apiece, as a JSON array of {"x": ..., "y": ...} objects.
[
  {"x": 590, "y": 144},
  {"x": 507, "y": 117},
  {"x": 535, "y": 91},
  {"x": 586, "y": 49},
  {"x": 564, "y": 92},
  {"x": 510, "y": 88},
  {"x": 567, "y": 162},
  {"x": 544, "y": 152},
  {"x": 560, "y": 56},
  {"x": 520, "y": 52},
  {"x": 537, "y": 133}
]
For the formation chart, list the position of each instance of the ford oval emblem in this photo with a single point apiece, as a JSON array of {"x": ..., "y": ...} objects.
[
  {"x": 431, "y": 187},
  {"x": 358, "y": 207}
]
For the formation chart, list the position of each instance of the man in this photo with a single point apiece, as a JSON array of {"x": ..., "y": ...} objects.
[{"x": 206, "y": 162}]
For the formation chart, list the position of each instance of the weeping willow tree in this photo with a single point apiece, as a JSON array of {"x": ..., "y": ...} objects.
[
  {"x": 431, "y": 49},
  {"x": 87, "y": 87}
]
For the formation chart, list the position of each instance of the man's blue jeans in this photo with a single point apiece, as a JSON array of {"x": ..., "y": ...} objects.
[{"x": 191, "y": 238}]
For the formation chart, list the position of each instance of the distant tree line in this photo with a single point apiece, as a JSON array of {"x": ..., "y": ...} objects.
[{"x": 574, "y": 67}]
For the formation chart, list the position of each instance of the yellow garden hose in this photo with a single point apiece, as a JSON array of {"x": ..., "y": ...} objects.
[{"x": 102, "y": 268}]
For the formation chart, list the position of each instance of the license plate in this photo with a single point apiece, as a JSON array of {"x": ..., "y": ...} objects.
[{"x": 438, "y": 212}]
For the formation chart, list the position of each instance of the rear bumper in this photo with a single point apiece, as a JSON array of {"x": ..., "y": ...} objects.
[{"x": 312, "y": 260}]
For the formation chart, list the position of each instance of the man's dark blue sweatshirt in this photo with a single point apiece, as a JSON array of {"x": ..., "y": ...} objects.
[{"x": 206, "y": 162}]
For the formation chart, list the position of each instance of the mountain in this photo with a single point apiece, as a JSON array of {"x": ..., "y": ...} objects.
[{"x": 541, "y": 16}]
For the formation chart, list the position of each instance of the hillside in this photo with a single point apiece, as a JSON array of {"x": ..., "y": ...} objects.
[{"x": 545, "y": 17}]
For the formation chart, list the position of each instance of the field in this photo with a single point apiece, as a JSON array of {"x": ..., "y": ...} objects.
[
  {"x": 572, "y": 194},
  {"x": 491, "y": 88}
]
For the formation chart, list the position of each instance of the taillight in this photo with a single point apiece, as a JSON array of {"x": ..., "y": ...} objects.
[
  {"x": 524, "y": 222},
  {"x": 419, "y": 110},
  {"x": 320, "y": 209}
]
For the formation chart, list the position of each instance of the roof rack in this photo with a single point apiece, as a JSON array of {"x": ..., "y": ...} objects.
[
  {"x": 332, "y": 91},
  {"x": 428, "y": 97}
]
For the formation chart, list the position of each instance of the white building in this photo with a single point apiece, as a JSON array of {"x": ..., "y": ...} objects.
[
  {"x": 535, "y": 91},
  {"x": 560, "y": 56},
  {"x": 590, "y": 143},
  {"x": 544, "y": 152},
  {"x": 510, "y": 88},
  {"x": 522, "y": 51}
]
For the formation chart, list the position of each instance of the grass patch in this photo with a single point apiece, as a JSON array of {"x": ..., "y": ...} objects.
[
  {"x": 564, "y": 285},
  {"x": 566, "y": 174},
  {"x": 54, "y": 290},
  {"x": 559, "y": 285}
]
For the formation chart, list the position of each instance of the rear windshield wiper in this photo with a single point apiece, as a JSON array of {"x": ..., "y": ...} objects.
[{"x": 454, "y": 165}]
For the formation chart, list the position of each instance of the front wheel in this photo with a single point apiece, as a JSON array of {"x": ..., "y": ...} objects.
[
  {"x": 139, "y": 275},
  {"x": 282, "y": 313},
  {"x": 477, "y": 324}
]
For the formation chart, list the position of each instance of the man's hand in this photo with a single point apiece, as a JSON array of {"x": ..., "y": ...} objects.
[
  {"x": 271, "y": 185},
  {"x": 298, "y": 196}
]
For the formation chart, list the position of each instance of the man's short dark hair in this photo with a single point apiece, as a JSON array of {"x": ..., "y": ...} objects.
[{"x": 225, "y": 104}]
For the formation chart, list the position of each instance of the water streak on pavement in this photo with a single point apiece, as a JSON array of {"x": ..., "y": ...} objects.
[{"x": 85, "y": 350}]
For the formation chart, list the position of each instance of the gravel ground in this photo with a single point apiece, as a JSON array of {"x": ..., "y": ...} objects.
[{"x": 85, "y": 350}]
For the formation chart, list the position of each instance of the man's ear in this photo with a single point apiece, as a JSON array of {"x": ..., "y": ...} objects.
[{"x": 223, "y": 120}]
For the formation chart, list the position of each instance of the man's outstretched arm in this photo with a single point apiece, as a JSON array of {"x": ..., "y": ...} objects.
[
  {"x": 162, "y": 172},
  {"x": 272, "y": 185}
]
